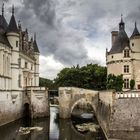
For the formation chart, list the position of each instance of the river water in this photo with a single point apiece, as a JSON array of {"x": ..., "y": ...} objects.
[{"x": 53, "y": 129}]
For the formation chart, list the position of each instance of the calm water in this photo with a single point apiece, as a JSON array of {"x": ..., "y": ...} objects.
[{"x": 53, "y": 129}]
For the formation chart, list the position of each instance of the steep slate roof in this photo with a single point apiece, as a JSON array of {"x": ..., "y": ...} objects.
[
  {"x": 3, "y": 24},
  {"x": 12, "y": 25},
  {"x": 121, "y": 40},
  {"x": 135, "y": 32},
  {"x": 3, "y": 28},
  {"x": 35, "y": 46}
]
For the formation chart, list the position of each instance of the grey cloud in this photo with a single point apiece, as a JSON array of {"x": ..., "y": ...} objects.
[{"x": 63, "y": 25}]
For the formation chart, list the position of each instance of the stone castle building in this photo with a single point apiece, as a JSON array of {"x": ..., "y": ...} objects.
[
  {"x": 124, "y": 56},
  {"x": 19, "y": 56},
  {"x": 19, "y": 73}
]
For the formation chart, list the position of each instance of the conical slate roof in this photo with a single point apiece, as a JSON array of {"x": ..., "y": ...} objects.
[
  {"x": 3, "y": 28},
  {"x": 12, "y": 25},
  {"x": 3, "y": 24},
  {"x": 135, "y": 32},
  {"x": 121, "y": 40},
  {"x": 35, "y": 46}
]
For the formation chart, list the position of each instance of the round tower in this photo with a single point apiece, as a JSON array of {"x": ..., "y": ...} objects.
[
  {"x": 13, "y": 38},
  {"x": 135, "y": 40},
  {"x": 36, "y": 55}
]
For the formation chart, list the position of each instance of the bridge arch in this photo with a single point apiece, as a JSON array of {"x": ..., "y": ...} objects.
[{"x": 79, "y": 101}]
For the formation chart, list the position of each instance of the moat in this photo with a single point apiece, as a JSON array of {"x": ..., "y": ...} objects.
[{"x": 53, "y": 129}]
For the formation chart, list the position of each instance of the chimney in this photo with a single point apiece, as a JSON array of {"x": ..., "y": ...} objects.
[{"x": 114, "y": 35}]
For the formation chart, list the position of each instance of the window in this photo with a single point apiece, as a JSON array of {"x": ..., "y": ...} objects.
[
  {"x": 112, "y": 56},
  {"x": 26, "y": 65},
  {"x": 16, "y": 43},
  {"x": 132, "y": 44},
  {"x": 126, "y": 53},
  {"x": 126, "y": 68},
  {"x": 126, "y": 83},
  {"x": 31, "y": 66},
  {"x": 19, "y": 62},
  {"x": 19, "y": 80}
]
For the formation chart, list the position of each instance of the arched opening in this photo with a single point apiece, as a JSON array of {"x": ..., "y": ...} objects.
[
  {"x": 26, "y": 115},
  {"x": 83, "y": 118}
]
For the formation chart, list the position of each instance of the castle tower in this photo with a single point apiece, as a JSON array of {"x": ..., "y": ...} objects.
[
  {"x": 36, "y": 54},
  {"x": 135, "y": 47},
  {"x": 13, "y": 38},
  {"x": 118, "y": 59}
]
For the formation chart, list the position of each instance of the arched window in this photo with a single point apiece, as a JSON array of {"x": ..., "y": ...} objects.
[{"x": 126, "y": 53}]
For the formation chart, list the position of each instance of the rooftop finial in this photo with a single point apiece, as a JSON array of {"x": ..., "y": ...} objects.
[
  {"x": 34, "y": 36},
  {"x": 13, "y": 10},
  {"x": 135, "y": 24},
  {"x": 121, "y": 17},
  {"x": 2, "y": 9}
]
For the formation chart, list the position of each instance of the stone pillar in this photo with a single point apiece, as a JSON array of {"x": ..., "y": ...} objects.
[
  {"x": 39, "y": 102},
  {"x": 64, "y": 103}
]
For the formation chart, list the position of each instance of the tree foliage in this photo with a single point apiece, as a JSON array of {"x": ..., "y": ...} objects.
[
  {"x": 91, "y": 76},
  {"x": 43, "y": 82},
  {"x": 115, "y": 82},
  {"x": 132, "y": 84}
]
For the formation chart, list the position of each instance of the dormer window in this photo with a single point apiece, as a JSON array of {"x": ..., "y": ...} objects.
[{"x": 126, "y": 53}]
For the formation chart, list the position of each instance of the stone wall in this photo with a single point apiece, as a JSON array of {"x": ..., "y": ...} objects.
[
  {"x": 39, "y": 103},
  {"x": 104, "y": 109},
  {"x": 118, "y": 114},
  {"x": 11, "y": 106}
]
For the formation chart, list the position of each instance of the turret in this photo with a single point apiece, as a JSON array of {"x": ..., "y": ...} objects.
[
  {"x": 120, "y": 39},
  {"x": 13, "y": 32},
  {"x": 36, "y": 54},
  {"x": 13, "y": 38},
  {"x": 135, "y": 40}
]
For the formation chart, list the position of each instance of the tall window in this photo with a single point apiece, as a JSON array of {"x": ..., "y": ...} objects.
[
  {"x": 16, "y": 43},
  {"x": 126, "y": 68},
  {"x": 19, "y": 80},
  {"x": 19, "y": 62},
  {"x": 26, "y": 65},
  {"x": 126, "y": 83},
  {"x": 126, "y": 53}
]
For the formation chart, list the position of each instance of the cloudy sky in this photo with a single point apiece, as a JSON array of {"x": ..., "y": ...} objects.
[{"x": 71, "y": 32}]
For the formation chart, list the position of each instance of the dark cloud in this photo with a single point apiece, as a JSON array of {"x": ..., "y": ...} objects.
[{"x": 63, "y": 25}]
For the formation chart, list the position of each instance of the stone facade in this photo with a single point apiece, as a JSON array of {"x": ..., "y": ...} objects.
[
  {"x": 124, "y": 56},
  {"x": 19, "y": 72}
]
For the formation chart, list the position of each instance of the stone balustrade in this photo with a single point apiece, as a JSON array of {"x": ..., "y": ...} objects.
[{"x": 127, "y": 95}]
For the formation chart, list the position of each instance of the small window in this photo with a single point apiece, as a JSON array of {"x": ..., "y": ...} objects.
[
  {"x": 126, "y": 68},
  {"x": 31, "y": 66},
  {"x": 126, "y": 83},
  {"x": 19, "y": 62},
  {"x": 16, "y": 43},
  {"x": 19, "y": 80},
  {"x": 132, "y": 44},
  {"x": 126, "y": 53},
  {"x": 26, "y": 65},
  {"x": 112, "y": 56}
]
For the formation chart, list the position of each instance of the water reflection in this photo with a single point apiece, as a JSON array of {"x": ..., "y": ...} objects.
[{"x": 53, "y": 129}]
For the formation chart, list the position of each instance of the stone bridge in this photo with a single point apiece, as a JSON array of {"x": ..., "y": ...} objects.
[
  {"x": 69, "y": 97},
  {"x": 115, "y": 112}
]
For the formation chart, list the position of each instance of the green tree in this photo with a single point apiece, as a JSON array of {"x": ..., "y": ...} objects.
[
  {"x": 43, "y": 82},
  {"x": 91, "y": 76},
  {"x": 132, "y": 84},
  {"x": 115, "y": 82}
]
